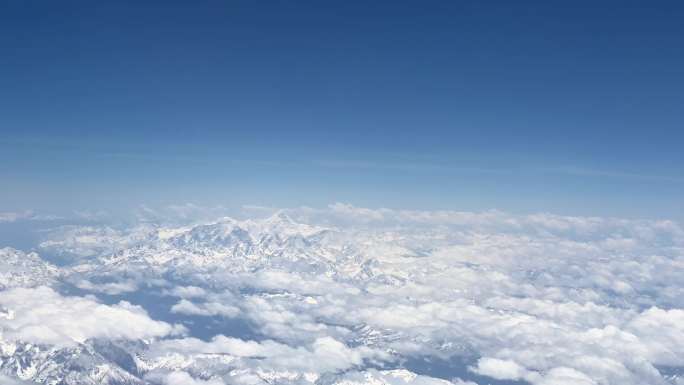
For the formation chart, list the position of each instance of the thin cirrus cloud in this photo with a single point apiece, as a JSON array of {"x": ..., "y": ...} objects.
[
  {"x": 581, "y": 172},
  {"x": 27, "y": 215}
]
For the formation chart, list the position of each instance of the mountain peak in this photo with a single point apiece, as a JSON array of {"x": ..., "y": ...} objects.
[{"x": 280, "y": 217}]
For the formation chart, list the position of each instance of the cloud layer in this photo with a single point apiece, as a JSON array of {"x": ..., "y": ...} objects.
[
  {"x": 352, "y": 295},
  {"x": 41, "y": 315}
]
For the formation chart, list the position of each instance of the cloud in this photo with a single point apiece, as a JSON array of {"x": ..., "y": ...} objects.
[
  {"x": 187, "y": 292},
  {"x": 180, "y": 213},
  {"x": 565, "y": 376},
  {"x": 4, "y": 380},
  {"x": 111, "y": 288},
  {"x": 181, "y": 378},
  {"x": 28, "y": 215},
  {"x": 393, "y": 377},
  {"x": 15, "y": 216},
  {"x": 323, "y": 355},
  {"x": 499, "y": 369},
  {"x": 540, "y": 298},
  {"x": 662, "y": 333},
  {"x": 578, "y": 171},
  {"x": 93, "y": 216},
  {"x": 41, "y": 315},
  {"x": 205, "y": 309}
]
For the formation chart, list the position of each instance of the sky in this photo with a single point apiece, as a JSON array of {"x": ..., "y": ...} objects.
[{"x": 574, "y": 108}]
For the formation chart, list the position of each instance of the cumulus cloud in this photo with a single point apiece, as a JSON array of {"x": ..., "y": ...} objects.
[
  {"x": 565, "y": 376},
  {"x": 499, "y": 369},
  {"x": 205, "y": 309},
  {"x": 540, "y": 298},
  {"x": 41, "y": 315},
  {"x": 111, "y": 288},
  {"x": 394, "y": 377},
  {"x": 204, "y": 303},
  {"x": 551, "y": 298},
  {"x": 662, "y": 333},
  {"x": 181, "y": 378},
  {"x": 541, "y": 224},
  {"x": 187, "y": 292},
  {"x": 323, "y": 355}
]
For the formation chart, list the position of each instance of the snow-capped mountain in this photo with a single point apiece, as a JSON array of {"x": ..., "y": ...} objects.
[
  {"x": 18, "y": 268},
  {"x": 512, "y": 300},
  {"x": 233, "y": 245},
  {"x": 90, "y": 363}
]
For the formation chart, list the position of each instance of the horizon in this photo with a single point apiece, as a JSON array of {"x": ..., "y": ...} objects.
[{"x": 240, "y": 192}]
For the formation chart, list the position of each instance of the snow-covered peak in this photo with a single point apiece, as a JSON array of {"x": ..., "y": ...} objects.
[
  {"x": 91, "y": 363},
  {"x": 18, "y": 268},
  {"x": 282, "y": 225},
  {"x": 280, "y": 217}
]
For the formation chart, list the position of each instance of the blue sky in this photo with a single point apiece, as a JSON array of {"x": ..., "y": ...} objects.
[{"x": 567, "y": 107}]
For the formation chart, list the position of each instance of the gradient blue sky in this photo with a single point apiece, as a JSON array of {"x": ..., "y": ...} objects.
[{"x": 572, "y": 107}]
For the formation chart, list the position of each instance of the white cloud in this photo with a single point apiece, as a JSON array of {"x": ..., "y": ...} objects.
[
  {"x": 541, "y": 298},
  {"x": 539, "y": 293},
  {"x": 181, "y": 378},
  {"x": 662, "y": 333},
  {"x": 323, "y": 355},
  {"x": 393, "y": 377},
  {"x": 14, "y": 216},
  {"x": 4, "y": 380},
  {"x": 111, "y": 288},
  {"x": 499, "y": 369},
  {"x": 564, "y": 376},
  {"x": 28, "y": 215},
  {"x": 205, "y": 309},
  {"x": 41, "y": 315},
  {"x": 180, "y": 213},
  {"x": 187, "y": 292}
]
